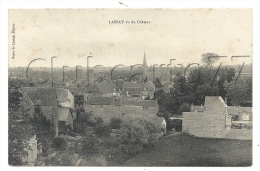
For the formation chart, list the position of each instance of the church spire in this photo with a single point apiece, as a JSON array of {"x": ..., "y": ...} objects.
[
  {"x": 144, "y": 67},
  {"x": 144, "y": 61}
]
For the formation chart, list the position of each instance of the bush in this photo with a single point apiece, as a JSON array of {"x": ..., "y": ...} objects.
[
  {"x": 65, "y": 159},
  {"x": 61, "y": 132},
  {"x": 60, "y": 143},
  {"x": 115, "y": 157},
  {"x": 98, "y": 120},
  {"x": 71, "y": 134},
  {"x": 115, "y": 123},
  {"x": 89, "y": 146},
  {"x": 103, "y": 130},
  {"x": 91, "y": 123},
  {"x": 94, "y": 161},
  {"x": 135, "y": 135}
]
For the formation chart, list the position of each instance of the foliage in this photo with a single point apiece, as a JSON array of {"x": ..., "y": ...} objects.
[
  {"x": 99, "y": 160},
  {"x": 240, "y": 93},
  {"x": 157, "y": 83},
  {"x": 135, "y": 135},
  {"x": 209, "y": 58},
  {"x": 19, "y": 134},
  {"x": 89, "y": 146},
  {"x": 185, "y": 107},
  {"x": 202, "y": 81},
  {"x": 60, "y": 143},
  {"x": 98, "y": 120},
  {"x": 62, "y": 159},
  {"x": 103, "y": 130},
  {"x": 83, "y": 120},
  {"x": 115, "y": 123},
  {"x": 205, "y": 90},
  {"x": 14, "y": 97},
  {"x": 19, "y": 128},
  {"x": 226, "y": 75}
]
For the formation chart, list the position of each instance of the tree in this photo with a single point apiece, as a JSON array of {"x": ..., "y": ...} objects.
[
  {"x": 226, "y": 74},
  {"x": 185, "y": 107},
  {"x": 158, "y": 83},
  {"x": 60, "y": 143},
  {"x": 203, "y": 91},
  {"x": 103, "y": 130},
  {"x": 209, "y": 58},
  {"x": 19, "y": 128},
  {"x": 240, "y": 93}
]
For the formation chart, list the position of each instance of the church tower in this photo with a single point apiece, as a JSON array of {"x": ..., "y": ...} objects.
[{"x": 144, "y": 67}]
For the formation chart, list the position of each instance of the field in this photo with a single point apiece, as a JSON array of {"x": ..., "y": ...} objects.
[{"x": 185, "y": 150}]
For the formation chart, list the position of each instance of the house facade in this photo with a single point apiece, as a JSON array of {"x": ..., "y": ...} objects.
[
  {"x": 56, "y": 104},
  {"x": 212, "y": 120},
  {"x": 108, "y": 107}
]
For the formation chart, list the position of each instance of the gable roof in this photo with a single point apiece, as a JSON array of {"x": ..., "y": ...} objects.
[
  {"x": 42, "y": 96},
  {"x": 120, "y": 101},
  {"x": 78, "y": 91},
  {"x": 236, "y": 109},
  {"x": 104, "y": 87},
  {"x": 100, "y": 101},
  {"x": 48, "y": 96},
  {"x": 212, "y": 100},
  {"x": 197, "y": 108},
  {"x": 132, "y": 85},
  {"x": 143, "y": 103}
]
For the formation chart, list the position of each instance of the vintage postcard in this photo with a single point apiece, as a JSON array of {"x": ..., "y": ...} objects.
[{"x": 130, "y": 87}]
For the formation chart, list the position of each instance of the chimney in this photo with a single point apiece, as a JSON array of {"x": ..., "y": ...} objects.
[{"x": 226, "y": 100}]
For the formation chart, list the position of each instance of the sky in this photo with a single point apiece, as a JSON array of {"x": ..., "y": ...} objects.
[{"x": 182, "y": 34}]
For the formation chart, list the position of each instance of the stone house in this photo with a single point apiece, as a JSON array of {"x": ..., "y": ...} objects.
[
  {"x": 56, "y": 104},
  {"x": 135, "y": 89},
  {"x": 108, "y": 107},
  {"x": 210, "y": 120},
  {"x": 213, "y": 120}
]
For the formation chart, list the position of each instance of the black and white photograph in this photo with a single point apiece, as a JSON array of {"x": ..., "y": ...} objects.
[{"x": 138, "y": 87}]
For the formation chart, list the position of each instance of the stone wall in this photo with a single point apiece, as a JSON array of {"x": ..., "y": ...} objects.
[
  {"x": 109, "y": 111},
  {"x": 203, "y": 124}
]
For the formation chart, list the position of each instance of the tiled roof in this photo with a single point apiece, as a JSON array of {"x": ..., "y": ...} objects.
[
  {"x": 197, "y": 108},
  {"x": 132, "y": 90},
  {"x": 212, "y": 100},
  {"x": 135, "y": 88},
  {"x": 158, "y": 121},
  {"x": 144, "y": 103},
  {"x": 132, "y": 85},
  {"x": 120, "y": 101},
  {"x": 26, "y": 102},
  {"x": 65, "y": 104},
  {"x": 214, "y": 105},
  {"x": 78, "y": 91},
  {"x": 42, "y": 96},
  {"x": 104, "y": 87},
  {"x": 100, "y": 101},
  {"x": 236, "y": 109},
  {"x": 47, "y": 96}
]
